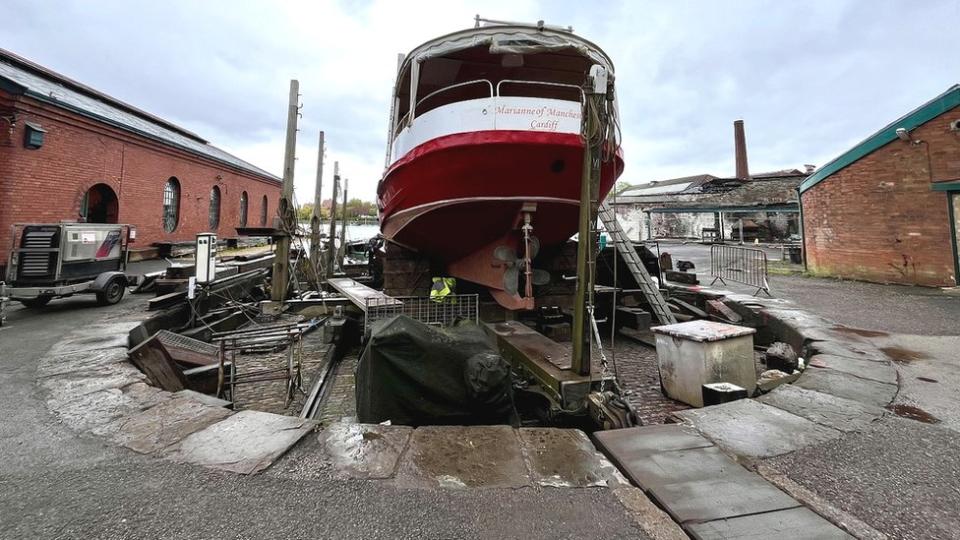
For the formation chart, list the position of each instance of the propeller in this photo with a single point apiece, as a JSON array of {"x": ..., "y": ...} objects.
[{"x": 514, "y": 264}]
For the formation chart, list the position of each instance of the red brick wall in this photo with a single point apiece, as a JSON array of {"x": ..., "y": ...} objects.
[
  {"x": 48, "y": 184},
  {"x": 878, "y": 220}
]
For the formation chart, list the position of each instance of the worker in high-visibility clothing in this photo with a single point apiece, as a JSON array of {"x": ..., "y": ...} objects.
[{"x": 442, "y": 288}]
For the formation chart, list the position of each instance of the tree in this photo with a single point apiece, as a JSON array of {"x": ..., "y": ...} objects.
[
  {"x": 305, "y": 212},
  {"x": 621, "y": 187}
]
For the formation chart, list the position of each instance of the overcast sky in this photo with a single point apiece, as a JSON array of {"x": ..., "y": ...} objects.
[{"x": 810, "y": 78}]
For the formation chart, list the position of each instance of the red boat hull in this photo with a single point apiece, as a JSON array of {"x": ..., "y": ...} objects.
[{"x": 457, "y": 197}]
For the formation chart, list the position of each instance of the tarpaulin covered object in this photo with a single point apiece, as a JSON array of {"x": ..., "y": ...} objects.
[{"x": 414, "y": 374}]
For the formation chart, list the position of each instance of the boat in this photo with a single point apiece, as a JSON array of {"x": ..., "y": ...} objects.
[{"x": 485, "y": 154}]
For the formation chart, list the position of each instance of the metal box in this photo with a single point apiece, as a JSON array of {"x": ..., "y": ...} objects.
[
  {"x": 206, "y": 257},
  {"x": 695, "y": 353}
]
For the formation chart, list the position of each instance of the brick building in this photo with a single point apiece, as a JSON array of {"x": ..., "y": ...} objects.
[
  {"x": 888, "y": 209},
  {"x": 68, "y": 152}
]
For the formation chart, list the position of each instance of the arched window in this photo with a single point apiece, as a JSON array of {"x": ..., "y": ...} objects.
[
  {"x": 171, "y": 204},
  {"x": 263, "y": 212},
  {"x": 214, "y": 207},
  {"x": 243, "y": 209}
]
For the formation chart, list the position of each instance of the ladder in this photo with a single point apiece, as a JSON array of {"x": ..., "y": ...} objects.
[{"x": 630, "y": 257}]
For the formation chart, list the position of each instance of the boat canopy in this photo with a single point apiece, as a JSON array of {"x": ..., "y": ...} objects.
[
  {"x": 509, "y": 40},
  {"x": 549, "y": 56}
]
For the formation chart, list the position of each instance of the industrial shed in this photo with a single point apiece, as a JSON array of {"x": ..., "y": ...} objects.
[
  {"x": 760, "y": 206},
  {"x": 888, "y": 209}
]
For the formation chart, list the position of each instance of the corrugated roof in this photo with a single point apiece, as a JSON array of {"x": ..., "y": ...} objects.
[
  {"x": 946, "y": 101},
  {"x": 673, "y": 185},
  {"x": 50, "y": 87},
  {"x": 767, "y": 190}
]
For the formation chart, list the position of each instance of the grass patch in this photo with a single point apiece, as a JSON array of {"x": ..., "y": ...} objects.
[{"x": 781, "y": 268}]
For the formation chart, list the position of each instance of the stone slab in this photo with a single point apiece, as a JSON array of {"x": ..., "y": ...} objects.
[
  {"x": 244, "y": 443},
  {"x": 168, "y": 423},
  {"x": 363, "y": 451},
  {"x": 793, "y": 326},
  {"x": 645, "y": 440},
  {"x": 654, "y": 521},
  {"x": 824, "y": 409},
  {"x": 463, "y": 456},
  {"x": 71, "y": 385},
  {"x": 860, "y": 367},
  {"x": 566, "y": 458},
  {"x": 94, "y": 410},
  {"x": 146, "y": 395},
  {"x": 752, "y": 429},
  {"x": 794, "y": 523},
  {"x": 94, "y": 337},
  {"x": 846, "y": 349},
  {"x": 718, "y": 498},
  {"x": 206, "y": 399},
  {"x": 656, "y": 470},
  {"x": 844, "y": 385},
  {"x": 80, "y": 361}
]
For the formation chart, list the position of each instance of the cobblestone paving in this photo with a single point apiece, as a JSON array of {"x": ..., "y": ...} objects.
[
  {"x": 341, "y": 402},
  {"x": 637, "y": 364},
  {"x": 270, "y": 396}
]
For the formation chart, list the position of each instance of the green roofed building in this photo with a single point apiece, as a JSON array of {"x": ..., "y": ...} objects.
[{"x": 888, "y": 209}]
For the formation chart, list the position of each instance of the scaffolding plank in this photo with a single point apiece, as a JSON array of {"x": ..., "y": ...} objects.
[{"x": 358, "y": 293}]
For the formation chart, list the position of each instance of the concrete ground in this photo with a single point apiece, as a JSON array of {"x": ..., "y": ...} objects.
[
  {"x": 56, "y": 484},
  {"x": 899, "y": 475},
  {"x": 901, "y": 309}
]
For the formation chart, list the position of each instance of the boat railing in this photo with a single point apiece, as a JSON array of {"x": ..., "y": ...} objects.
[
  {"x": 447, "y": 89},
  {"x": 578, "y": 89},
  {"x": 406, "y": 119}
]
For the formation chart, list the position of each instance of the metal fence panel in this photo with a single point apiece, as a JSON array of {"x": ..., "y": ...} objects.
[
  {"x": 740, "y": 264},
  {"x": 453, "y": 308}
]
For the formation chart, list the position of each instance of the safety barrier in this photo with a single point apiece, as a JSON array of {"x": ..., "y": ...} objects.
[
  {"x": 740, "y": 264},
  {"x": 453, "y": 309}
]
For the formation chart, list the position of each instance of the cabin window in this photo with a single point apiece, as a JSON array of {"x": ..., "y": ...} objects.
[
  {"x": 263, "y": 212},
  {"x": 171, "y": 204},
  {"x": 214, "y": 207},
  {"x": 243, "y": 209}
]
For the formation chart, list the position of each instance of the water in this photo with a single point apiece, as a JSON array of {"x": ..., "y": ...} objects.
[{"x": 354, "y": 232}]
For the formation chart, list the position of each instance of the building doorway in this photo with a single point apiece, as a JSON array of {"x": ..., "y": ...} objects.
[{"x": 100, "y": 205}]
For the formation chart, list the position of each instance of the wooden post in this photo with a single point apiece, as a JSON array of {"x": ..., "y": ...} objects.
[
  {"x": 288, "y": 222},
  {"x": 343, "y": 225},
  {"x": 331, "y": 247},
  {"x": 315, "y": 218}
]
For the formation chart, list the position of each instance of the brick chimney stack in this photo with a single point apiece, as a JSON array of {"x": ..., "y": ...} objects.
[{"x": 740, "y": 149}]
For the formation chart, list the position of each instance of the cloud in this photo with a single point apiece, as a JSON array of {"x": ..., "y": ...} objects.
[{"x": 810, "y": 79}]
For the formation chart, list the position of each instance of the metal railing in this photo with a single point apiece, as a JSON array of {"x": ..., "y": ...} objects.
[
  {"x": 743, "y": 265},
  {"x": 404, "y": 121},
  {"x": 453, "y": 309},
  {"x": 578, "y": 89}
]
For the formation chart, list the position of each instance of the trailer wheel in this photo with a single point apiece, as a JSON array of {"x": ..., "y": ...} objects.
[
  {"x": 112, "y": 293},
  {"x": 37, "y": 302}
]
